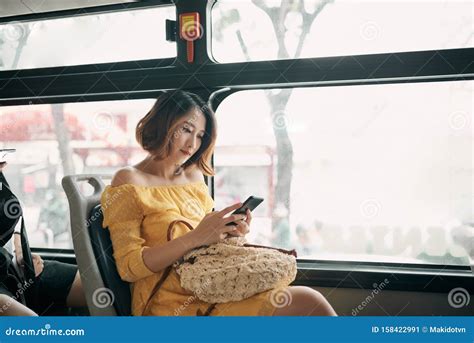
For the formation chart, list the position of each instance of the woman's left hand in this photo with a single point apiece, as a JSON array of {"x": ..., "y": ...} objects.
[{"x": 243, "y": 226}]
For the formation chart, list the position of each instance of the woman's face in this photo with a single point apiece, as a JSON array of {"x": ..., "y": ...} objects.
[{"x": 187, "y": 138}]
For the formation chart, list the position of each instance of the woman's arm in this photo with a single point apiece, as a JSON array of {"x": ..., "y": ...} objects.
[
  {"x": 134, "y": 259},
  {"x": 210, "y": 230},
  {"x": 159, "y": 257}
]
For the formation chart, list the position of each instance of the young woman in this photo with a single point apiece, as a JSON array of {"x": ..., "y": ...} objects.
[{"x": 179, "y": 134}]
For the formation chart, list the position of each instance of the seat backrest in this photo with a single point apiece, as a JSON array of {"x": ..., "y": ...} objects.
[
  {"x": 103, "y": 251},
  {"x": 106, "y": 294}
]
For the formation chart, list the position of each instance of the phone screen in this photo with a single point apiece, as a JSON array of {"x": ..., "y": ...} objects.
[{"x": 251, "y": 203}]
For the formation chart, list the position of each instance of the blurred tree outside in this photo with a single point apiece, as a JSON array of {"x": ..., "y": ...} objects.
[
  {"x": 18, "y": 34},
  {"x": 279, "y": 15}
]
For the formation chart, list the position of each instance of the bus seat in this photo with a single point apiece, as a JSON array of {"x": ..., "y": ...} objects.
[
  {"x": 106, "y": 293},
  {"x": 103, "y": 251}
]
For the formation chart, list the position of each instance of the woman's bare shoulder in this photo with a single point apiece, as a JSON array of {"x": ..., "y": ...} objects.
[
  {"x": 194, "y": 174},
  {"x": 127, "y": 175}
]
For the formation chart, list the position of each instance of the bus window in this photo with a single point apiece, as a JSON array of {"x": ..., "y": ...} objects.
[
  {"x": 94, "y": 38},
  {"x": 20, "y": 8},
  {"x": 64, "y": 139},
  {"x": 355, "y": 173},
  {"x": 243, "y": 31}
]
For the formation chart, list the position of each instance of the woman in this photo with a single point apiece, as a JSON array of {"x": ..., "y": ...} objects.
[
  {"x": 57, "y": 283},
  {"x": 179, "y": 134}
]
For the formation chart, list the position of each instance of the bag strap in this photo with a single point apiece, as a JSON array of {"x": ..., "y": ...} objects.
[
  {"x": 167, "y": 271},
  {"x": 158, "y": 285},
  {"x": 169, "y": 234},
  {"x": 211, "y": 307},
  {"x": 29, "y": 269}
]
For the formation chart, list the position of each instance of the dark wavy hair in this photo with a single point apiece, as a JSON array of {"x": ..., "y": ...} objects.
[{"x": 154, "y": 132}]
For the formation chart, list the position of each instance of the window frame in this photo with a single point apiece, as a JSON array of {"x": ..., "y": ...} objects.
[
  {"x": 215, "y": 81},
  {"x": 84, "y": 11}
]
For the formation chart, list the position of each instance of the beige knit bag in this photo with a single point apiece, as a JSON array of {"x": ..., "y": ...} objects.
[{"x": 232, "y": 270}]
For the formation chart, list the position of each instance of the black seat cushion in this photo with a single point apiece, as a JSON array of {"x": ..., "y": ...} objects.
[{"x": 103, "y": 251}]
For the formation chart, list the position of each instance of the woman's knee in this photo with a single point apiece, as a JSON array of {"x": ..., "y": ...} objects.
[
  {"x": 306, "y": 297},
  {"x": 305, "y": 301},
  {"x": 320, "y": 305},
  {"x": 4, "y": 299},
  {"x": 11, "y": 307},
  {"x": 76, "y": 297}
]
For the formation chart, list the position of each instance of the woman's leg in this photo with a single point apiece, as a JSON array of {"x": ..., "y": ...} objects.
[
  {"x": 11, "y": 307},
  {"x": 76, "y": 297},
  {"x": 305, "y": 301}
]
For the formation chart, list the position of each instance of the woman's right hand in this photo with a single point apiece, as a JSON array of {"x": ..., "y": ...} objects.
[{"x": 213, "y": 228}]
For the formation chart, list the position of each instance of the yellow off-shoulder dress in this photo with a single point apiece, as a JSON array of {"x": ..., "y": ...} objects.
[{"x": 138, "y": 217}]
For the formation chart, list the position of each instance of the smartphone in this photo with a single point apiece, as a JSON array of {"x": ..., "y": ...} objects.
[
  {"x": 251, "y": 203},
  {"x": 4, "y": 152}
]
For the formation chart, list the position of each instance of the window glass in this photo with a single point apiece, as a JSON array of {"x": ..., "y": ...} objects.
[
  {"x": 13, "y": 8},
  {"x": 360, "y": 173},
  {"x": 95, "y": 38},
  {"x": 64, "y": 139},
  {"x": 283, "y": 29}
]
